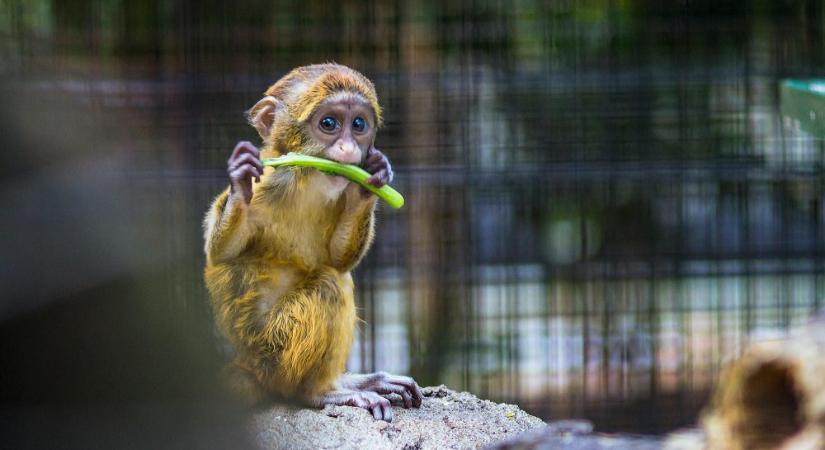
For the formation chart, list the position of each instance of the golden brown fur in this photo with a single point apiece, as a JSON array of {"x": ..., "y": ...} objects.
[{"x": 278, "y": 269}]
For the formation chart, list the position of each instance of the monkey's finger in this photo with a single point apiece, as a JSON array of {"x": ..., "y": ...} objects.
[
  {"x": 359, "y": 402},
  {"x": 244, "y": 185},
  {"x": 248, "y": 158},
  {"x": 383, "y": 405},
  {"x": 370, "y": 163},
  {"x": 377, "y": 413},
  {"x": 388, "y": 387},
  {"x": 386, "y": 411},
  {"x": 408, "y": 401},
  {"x": 247, "y": 147},
  {"x": 372, "y": 170},
  {"x": 373, "y": 158},
  {"x": 379, "y": 178},
  {"x": 244, "y": 173},
  {"x": 378, "y": 160},
  {"x": 385, "y": 178},
  {"x": 418, "y": 396},
  {"x": 374, "y": 167},
  {"x": 244, "y": 147},
  {"x": 381, "y": 164},
  {"x": 377, "y": 407},
  {"x": 256, "y": 171},
  {"x": 234, "y": 165},
  {"x": 410, "y": 386}
]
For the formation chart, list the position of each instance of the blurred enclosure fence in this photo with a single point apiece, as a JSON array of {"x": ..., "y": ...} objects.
[{"x": 604, "y": 200}]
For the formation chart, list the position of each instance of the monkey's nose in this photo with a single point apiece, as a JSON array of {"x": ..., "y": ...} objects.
[{"x": 346, "y": 152}]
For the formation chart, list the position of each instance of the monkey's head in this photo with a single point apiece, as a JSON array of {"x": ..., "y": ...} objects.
[{"x": 324, "y": 110}]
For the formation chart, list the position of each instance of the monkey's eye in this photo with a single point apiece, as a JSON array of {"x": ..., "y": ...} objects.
[
  {"x": 359, "y": 124},
  {"x": 329, "y": 124}
]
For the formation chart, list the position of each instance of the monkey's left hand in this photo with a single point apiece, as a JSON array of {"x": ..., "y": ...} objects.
[{"x": 377, "y": 164}]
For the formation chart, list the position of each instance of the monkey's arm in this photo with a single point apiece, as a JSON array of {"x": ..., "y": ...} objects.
[
  {"x": 227, "y": 229},
  {"x": 355, "y": 230}
]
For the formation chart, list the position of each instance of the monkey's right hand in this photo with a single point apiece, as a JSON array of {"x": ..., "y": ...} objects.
[{"x": 242, "y": 166}]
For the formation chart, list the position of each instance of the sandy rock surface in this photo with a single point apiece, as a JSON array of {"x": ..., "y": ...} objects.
[
  {"x": 446, "y": 419},
  {"x": 575, "y": 435}
]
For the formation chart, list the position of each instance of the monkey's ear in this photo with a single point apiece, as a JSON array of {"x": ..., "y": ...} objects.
[{"x": 262, "y": 115}]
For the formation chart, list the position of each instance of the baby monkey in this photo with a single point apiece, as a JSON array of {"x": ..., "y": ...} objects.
[{"x": 279, "y": 251}]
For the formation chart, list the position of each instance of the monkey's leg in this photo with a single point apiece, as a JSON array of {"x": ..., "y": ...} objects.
[
  {"x": 299, "y": 346},
  {"x": 242, "y": 383},
  {"x": 384, "y": 383},
  {"x": 313, "y": 327}
]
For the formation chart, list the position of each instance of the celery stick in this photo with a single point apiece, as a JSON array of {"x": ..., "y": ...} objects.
[{"x": 354, "y": 173}]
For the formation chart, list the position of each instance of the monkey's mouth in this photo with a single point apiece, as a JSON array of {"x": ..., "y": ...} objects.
[
  {"x": 344, "y": 161},
  {"x": 343, "y": 157}
]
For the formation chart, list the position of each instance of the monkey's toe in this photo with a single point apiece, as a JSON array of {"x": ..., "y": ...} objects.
[
  {"x": 385, "y": 383},
  {"x": 377, "y": 405}
]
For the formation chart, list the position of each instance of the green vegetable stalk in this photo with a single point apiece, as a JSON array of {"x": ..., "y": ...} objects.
[{"x": 354, "y": 173}]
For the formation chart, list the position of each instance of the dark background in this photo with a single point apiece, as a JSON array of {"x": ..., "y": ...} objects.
[{"x": 604, "y": 201}]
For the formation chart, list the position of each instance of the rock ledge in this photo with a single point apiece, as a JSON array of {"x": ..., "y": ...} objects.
[{"x": 446, "y": 419}]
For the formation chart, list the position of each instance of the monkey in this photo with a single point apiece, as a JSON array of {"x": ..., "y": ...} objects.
[{"x": 280, "y": 251}]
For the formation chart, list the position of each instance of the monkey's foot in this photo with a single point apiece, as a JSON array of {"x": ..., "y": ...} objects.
[
  {"x": 372, "y": 402},
  {"x": 384, "y": 383}
]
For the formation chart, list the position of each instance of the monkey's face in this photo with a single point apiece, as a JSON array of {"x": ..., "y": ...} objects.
[{"x": 344, "y": 128}]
